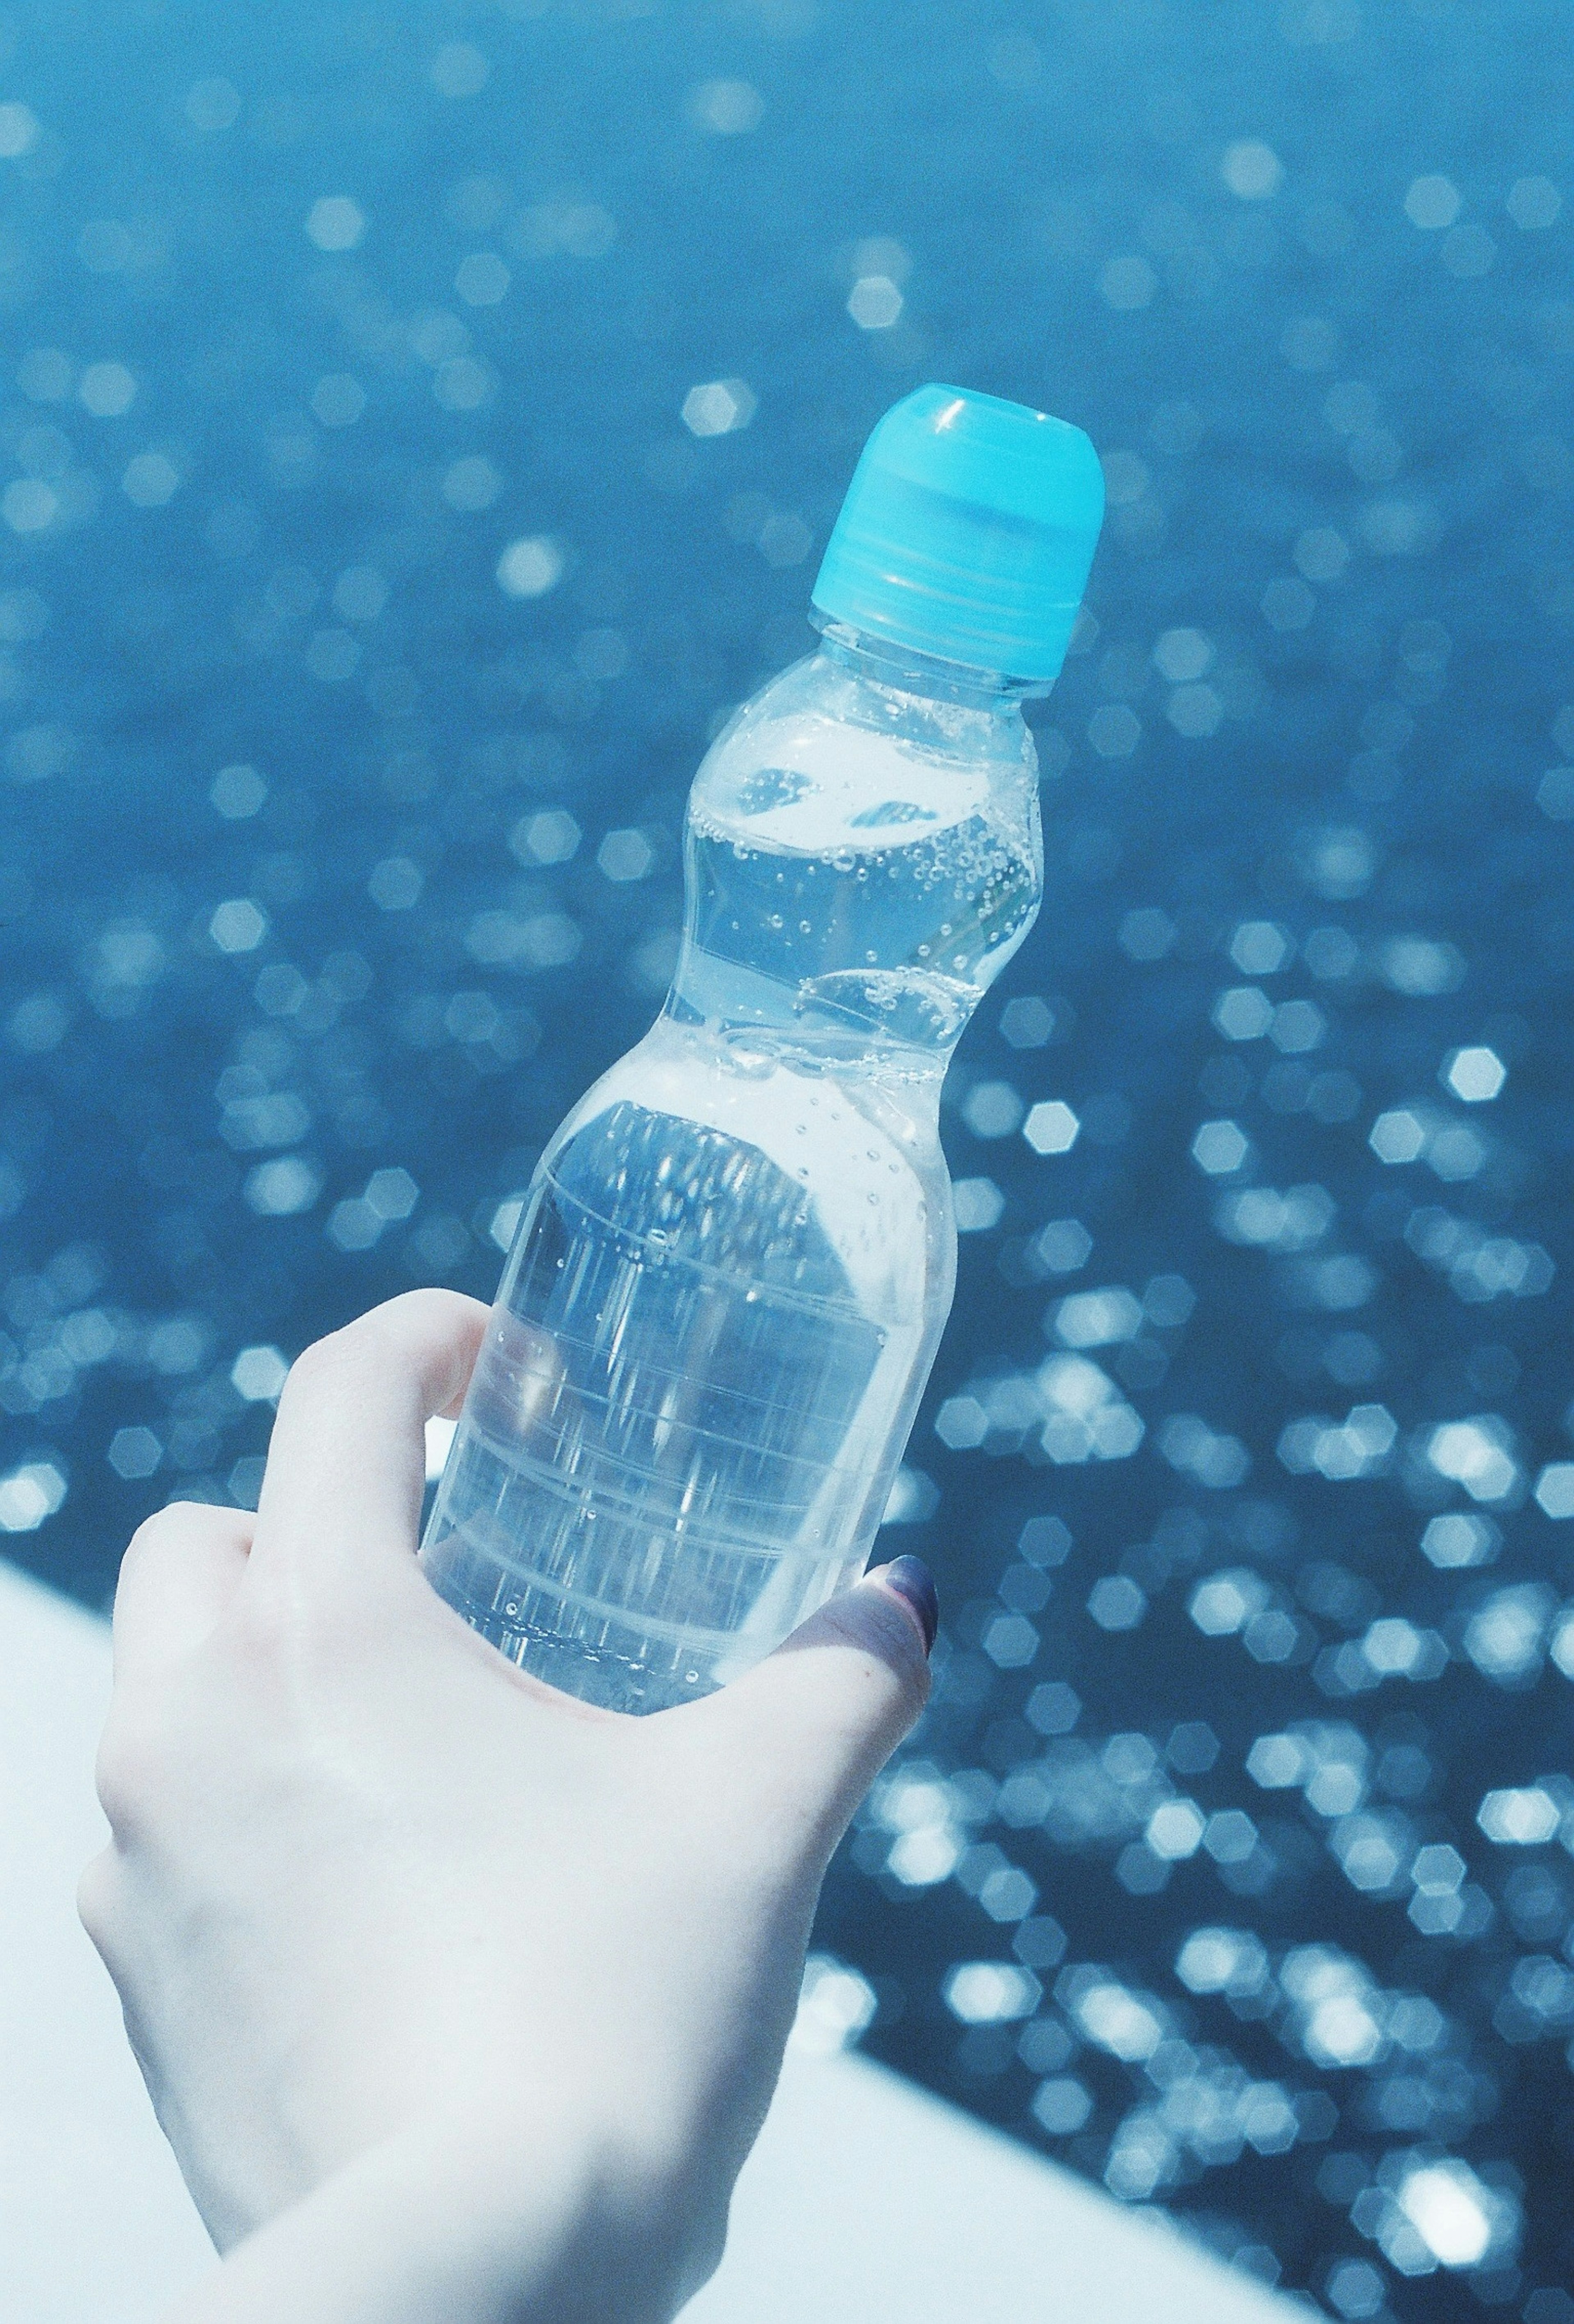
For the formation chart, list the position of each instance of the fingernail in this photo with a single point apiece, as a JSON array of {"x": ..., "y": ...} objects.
[{"x": 914, "y": 1584}]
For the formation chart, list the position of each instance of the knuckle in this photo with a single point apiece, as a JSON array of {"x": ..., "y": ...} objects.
[
  {"x": 317, "y": 1362},
  {"x": 266, "y": 1613},
  {"x": 875, "y": 1620},
  {"x": 284, "y": 1637},
  {"x": 130, "y": 1768},
  {"x": 352, "y": 1343},
  {"x": 178, "y": 1525},
  {"x": 147, "y": 1545},
  {"x": 268, "y": 1635},
  {"x": 383, "y": 1331},
  {"x": 708, "y": 2240},
  {"x": 330, "y": 1369},
  {"x": 887, "y": 1685},
  {"x": 98, "y": 1900}
]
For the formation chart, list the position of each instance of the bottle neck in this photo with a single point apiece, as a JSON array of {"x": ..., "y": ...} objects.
[
  {"x": 880, "y": 662},
  {"x": 862, "y": 856}
]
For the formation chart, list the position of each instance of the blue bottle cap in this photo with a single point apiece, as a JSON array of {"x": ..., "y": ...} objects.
[{"x": 967, "y": 533}]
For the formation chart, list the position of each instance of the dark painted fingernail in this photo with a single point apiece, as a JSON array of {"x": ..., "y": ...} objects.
[{"x": 913, "y": 1584}]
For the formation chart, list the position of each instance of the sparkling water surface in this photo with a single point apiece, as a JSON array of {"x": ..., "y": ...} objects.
[{"x": 421, "y": 426}]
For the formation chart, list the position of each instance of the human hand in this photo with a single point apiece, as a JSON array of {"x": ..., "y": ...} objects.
[{"x": 369, "y": 1884}]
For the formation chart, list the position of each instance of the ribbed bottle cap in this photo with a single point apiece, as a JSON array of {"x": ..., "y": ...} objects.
[{"x": 967, "y": 533}]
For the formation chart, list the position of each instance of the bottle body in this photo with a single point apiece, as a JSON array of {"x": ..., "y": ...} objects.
[{"x": 737, "y": 1254}]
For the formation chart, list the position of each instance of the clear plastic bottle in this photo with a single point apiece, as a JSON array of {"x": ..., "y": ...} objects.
[{"x": 737, "y": 1253}]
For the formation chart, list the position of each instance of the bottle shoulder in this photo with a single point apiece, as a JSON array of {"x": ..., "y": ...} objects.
[
  {"x": 983, "y": 729},
  {"x": 798, "y": 1149},
  {"x": 756, "y": 1083},
  {"x": 827, "y": 756}
]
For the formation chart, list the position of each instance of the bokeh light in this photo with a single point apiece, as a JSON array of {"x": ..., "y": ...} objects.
[{"x": 421, "y": 429}]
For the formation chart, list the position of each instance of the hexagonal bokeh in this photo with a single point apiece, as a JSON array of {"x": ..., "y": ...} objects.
[{"x": 419, "y": 436}]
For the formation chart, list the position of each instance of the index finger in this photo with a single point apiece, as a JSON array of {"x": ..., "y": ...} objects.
[{"x": 346, "y": 1459}]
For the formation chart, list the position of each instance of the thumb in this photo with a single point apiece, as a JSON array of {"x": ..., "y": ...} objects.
[{"x": 812, "y": 1725}]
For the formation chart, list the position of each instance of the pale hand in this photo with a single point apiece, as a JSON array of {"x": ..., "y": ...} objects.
[{"x": 395, "y": 1926}]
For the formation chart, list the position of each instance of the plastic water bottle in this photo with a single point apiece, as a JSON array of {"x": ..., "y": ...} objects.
[{"x": 737, "y": 1254}]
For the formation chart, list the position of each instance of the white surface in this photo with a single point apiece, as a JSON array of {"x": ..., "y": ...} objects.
[
  {"x": 865, "y": 2201},
  {"x": 95, "y": 2224},
  {"x": 868, "y": 2202}
]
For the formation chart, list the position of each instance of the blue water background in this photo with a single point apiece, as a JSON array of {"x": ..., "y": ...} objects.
[{"x": 316, "y": 320}]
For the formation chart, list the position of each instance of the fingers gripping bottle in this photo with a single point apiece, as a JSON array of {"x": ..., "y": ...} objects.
[{"x": 737, "y": 1254}]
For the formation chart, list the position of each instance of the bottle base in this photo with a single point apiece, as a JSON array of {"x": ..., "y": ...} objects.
[{"x": 581, "y": 1649}]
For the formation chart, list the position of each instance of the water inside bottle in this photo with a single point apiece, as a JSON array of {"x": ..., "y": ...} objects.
[
  {"x": 736, "y": 1258},
  {"x": 673, "y": 1442}
]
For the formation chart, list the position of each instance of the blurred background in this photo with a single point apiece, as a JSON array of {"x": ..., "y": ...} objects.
[{"x": 421, "y": 426}]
